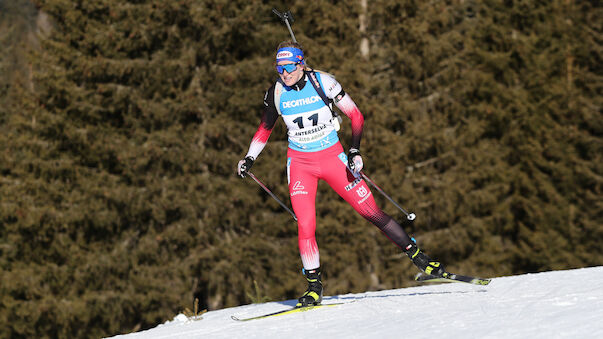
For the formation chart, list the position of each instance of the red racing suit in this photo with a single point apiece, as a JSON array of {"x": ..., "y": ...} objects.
[{"x": 315, "y": 153}]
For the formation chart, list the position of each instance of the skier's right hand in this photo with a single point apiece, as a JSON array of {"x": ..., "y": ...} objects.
[{"x": 244, "y": 166}]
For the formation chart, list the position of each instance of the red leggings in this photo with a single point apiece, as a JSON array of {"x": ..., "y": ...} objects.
[{"x": 303, "y": 171}]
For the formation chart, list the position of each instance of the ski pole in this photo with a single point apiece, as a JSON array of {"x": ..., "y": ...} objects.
[
  {"x": 271, "y": 194},
  {"x": 286, "y": 16},
  {"x": 409, "y": 216}
]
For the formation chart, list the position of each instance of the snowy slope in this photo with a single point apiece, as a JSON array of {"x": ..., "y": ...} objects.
[{"x": 558, "y": 304}]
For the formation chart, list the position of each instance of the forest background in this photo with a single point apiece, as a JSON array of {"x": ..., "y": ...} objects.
[{"x": 121, "y": 124}]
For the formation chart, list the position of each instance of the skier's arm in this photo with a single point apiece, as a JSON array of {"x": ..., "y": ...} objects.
[
  {"x": 269, "y": 117},
  {"x": 260, "y": 138},
  {"x": 344, "y": 102}
]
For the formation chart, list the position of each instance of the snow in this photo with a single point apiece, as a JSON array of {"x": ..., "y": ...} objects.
[{"x": 557, "y": 304}]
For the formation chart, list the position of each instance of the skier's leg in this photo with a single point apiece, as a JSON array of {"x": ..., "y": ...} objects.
[
  {"x": 357, "y": 193},
  {"x": 303, "y": 182},
  {"x": 302, "y": 190}
]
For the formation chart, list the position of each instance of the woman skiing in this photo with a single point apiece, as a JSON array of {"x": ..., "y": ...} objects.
[{"x": 301, "y": 97}]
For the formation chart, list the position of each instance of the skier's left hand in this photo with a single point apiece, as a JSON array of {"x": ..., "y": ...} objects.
[{"x": 355, "y": 161}]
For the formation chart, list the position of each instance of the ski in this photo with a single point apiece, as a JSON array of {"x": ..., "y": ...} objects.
[
  {"x": 284, "y": 312},
  {"x": 450, "y": 277}
]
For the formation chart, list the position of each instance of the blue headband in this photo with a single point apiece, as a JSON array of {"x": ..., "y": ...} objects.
[{"x": 290, "y": 54}]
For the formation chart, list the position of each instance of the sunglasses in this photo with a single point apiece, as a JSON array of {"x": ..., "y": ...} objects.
[{"x": 287, "y": 67}]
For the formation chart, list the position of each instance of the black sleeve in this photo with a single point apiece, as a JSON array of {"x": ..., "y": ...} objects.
[{"x": 270, "y": 114}]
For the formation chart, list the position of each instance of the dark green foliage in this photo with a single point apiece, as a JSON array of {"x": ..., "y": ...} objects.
[{"x": 121, "y": 123}]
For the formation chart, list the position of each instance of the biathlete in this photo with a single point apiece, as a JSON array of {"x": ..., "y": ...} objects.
[{"x": 301, "y": 97}]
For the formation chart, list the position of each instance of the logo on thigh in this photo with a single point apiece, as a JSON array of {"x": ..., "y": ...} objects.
[
  {"x": 352, "y": 184},
  {"x": 298, "y": 188},
  {"x": 362, "y": 191}
]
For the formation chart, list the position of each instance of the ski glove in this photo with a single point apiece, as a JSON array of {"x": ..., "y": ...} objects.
[
  {"x": 244, "y": 166},
  {"x": 355, "y": 160}
]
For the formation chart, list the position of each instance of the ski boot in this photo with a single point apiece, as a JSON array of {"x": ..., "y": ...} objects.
[
  {"x": 313, "y": 295},
  {"x": 425, "y": 263}
]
